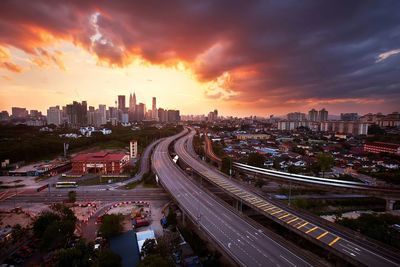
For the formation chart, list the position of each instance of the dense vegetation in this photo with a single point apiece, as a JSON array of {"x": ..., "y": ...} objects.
[
  {"x": 376, "y": 226},
  {"x": 55, "y": 227},
  {"x": 26, "y": 143},
  {"x": 111, "y": 225}
]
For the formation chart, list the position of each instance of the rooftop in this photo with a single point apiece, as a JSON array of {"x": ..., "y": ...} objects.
[{"x": 99, "y": 156}]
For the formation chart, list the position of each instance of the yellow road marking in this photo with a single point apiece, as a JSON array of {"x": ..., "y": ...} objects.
[
  {"x": 295, "y": 219},
  {"x": 270, "y": 208},
  {"x": 312, "y": 229},
  {"x": 334, "y": 241},
  {"x": 304, "y": 224},
  {"x": 276, "y": 212},
  {"x": 322, "y": 235},
  {"x": 284, "y": 216},
  {"x": 263, "y": 205}
]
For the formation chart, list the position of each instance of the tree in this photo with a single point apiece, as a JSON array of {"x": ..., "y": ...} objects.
[
  {"x": 111, "y": 225},
  {"x": 79, "y": 255},
  {"x": 171, "y": 217},
  {"x": 71, "y": 196},
  {"x": 226, "y": 165},
  {"x": 155, "y": 260},
  {"x": 325, "y": 162},
  {"x": 17, "y": 231},
  {"x": 149, "y": 247},
  {"x": 107, "y": 258},
  {"x": 56, "y": 226},
  {"x": 256, "y": 159}
]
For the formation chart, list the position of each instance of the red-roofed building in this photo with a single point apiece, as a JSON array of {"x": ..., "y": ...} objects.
[
  {"x": 100, "y": 162},
  {"x": 378, "y": 147}
]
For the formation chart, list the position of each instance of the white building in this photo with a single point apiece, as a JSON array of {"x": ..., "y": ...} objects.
[{"x": 54, "y": 115}]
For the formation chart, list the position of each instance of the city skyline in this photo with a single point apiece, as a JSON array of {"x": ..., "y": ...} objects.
[{"x": 60, "y": 52}]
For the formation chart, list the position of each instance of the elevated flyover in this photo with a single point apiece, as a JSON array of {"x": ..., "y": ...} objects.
[
  {"x": 244, "y": 243},
  {"x": 389, "y": 193},
  {"x": 331, "y": 238}
]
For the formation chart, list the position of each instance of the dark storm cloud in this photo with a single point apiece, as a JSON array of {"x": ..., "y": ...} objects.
[{"x": 273, "y": 50}]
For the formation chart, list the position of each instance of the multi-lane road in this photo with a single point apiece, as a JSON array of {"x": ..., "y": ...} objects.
[
  {"x": 245, "y": 244},
  {"x": 295, "y": 222}
]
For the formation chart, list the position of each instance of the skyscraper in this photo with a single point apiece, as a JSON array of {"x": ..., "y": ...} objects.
[
  {"x": 313, "y": 115},
  {"x": 154, "y": 112},
  {"x": 323, "y": 115},
  {"x": 102, "y": 114},
  {"x": 121, "y": 103},
  {"x": 19, "y": 112},
  {"x": 54, "y": 115}
]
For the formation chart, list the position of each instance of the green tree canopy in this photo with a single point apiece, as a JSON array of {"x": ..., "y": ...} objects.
[
  {"x": 256, "y": 159},
  {"x": 111, "y": 225},
  {"x": 325, "y": 161}
]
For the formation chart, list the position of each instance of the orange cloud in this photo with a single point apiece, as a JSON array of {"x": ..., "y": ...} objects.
[{"x": 11, "y": 67}]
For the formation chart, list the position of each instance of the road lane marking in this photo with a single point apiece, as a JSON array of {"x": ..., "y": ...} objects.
[
  {"x": 322, "y": 235},
  {"x": 334, "y": 241},
  {"x": 276, "y": 212},
  {"x": 270, "y": 208},
  {"x": 304, "y": 224},
  {"x": 312, "y": 229},
  {"x": 293, "y": 220},
  {"x": 284, "y": 216},
  {"x": 288, "y": 260}
]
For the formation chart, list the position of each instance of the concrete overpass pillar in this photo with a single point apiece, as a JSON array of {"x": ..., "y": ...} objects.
[{"x": 390, "y": 204}]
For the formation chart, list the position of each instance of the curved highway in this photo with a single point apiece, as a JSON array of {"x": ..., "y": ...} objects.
[
  {"x": 306, "y": 179},
  {"x": 294, "y": 222},
  {"x": 247, "y": 245}
]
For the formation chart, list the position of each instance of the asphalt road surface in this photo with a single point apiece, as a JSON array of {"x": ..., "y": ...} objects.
[
  {"x": 247, "y": 245},
  {"x": 184, "y": 149}
]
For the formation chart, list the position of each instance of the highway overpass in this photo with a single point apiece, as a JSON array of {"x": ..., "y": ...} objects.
[
  {"x": 331, "y": 238},
  {"x": 389, "y": 193},
  {"x": 244, "y": 243}
]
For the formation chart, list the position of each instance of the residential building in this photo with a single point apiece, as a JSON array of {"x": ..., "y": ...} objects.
[
  {"x": 54, "y": 115},
  {"x": 381, "y": 147},
  {"x": 313, "y": 115},
  {"x": 323, "y": 115}
]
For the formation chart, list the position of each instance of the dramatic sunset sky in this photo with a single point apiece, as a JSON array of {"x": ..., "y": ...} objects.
[{"x": 242, "y": 57}]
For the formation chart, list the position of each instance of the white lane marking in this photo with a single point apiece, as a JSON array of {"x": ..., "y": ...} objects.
[
  {"x": 288, "y": 260},
  {"x": 229, "y": 245}
]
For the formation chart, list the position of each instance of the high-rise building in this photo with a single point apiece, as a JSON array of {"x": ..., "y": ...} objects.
[
  {"x": 132, "y": 103},
  {"x": 4, "y": 116},
  {"x": 54, "y": 115},
  {"x": 19, "y": 113},
  {"x": 140, "y": 111},
  {"x": 323, "y": 115},
  {"x": 121, "y": 103},
  {"x": 162, "y": 115},
  {"x": 348, "y": 116},
  {"x": 91, "y": 116},
  {"x": 133, "y": 149},
  {"x": 102, "y": 114},
  {"x": 35, "y": 113},
  {"x": 154, "y": 112},
  {"x": 313, "y": 115},
  {"x": 77, "y": 113},
  {"x": 296, "y": 116},
  {"x": 345, "y": 127}
]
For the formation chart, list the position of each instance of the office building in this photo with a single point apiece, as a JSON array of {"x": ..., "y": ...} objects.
[
  {"x": 102, "y": 114},
  {"x": 77, "y": 114},
  {"x": 54, "y": 115},
  {"x": 154, "y": 112},
  {"x": 323, "y": 115},
  {"x": 313, "y": 115},
  {"x": 121, "y": 103},
  {"x": 99, "y": 163},
  {"x": 4, "y": 116},
  {"x": 19, "y": 113},
  {"x": 140, "y": 111}
]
